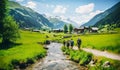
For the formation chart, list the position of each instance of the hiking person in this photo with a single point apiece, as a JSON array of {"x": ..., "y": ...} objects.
[
  {"x": 64, "y": 42},
  {"x": 71, "y": 43},
  {"x": 79, "y": 43},
  {"x": 68, "y": 44}
]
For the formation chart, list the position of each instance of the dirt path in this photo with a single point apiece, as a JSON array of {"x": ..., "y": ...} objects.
[{"x": 101, "y": 53}]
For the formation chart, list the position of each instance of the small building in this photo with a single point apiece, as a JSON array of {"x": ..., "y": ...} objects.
[
  {"x": 79, "y": 30},
  {"x": 36, "y": 30},
  {"x": 86, "y": 29},
  {"x": 94, "y": 29},
  {"x": 57, "y": 30},
  {"x": 27, "y": 29}
]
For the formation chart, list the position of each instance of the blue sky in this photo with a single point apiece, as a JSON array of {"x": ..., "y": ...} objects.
[{"x": 79, "y": 11}]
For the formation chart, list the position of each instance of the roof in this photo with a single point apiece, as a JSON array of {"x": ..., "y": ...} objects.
[{"x": 94, "y": 28}]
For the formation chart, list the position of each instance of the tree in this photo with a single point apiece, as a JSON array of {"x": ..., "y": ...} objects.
[
  {"x": 10, "y": 32},
  {"x": 70, "y": 28},
  {"x": 8, "y": 27},
  {"x": 65, "y": 28},
  {"x": 3, "y": 13}
]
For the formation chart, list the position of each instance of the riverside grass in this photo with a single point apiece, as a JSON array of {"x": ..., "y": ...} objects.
[{"x": 28, "y": 49}]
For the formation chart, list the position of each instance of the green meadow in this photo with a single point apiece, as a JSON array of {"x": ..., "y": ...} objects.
[
  {"x": 108, "y": 42},
  {"x": 27, "y": 49}
]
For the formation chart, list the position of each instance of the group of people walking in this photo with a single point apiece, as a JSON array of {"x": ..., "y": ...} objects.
[{"x": 70, "y": 43}]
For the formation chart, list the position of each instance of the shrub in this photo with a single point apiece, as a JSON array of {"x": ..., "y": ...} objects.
[
  {"x": 30, "y": 61},
  {"x": 22, "y": 64},
  {"x": 15, "y": 62}
]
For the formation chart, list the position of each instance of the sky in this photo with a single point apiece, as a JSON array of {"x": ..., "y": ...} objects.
[{"x": 79, "y": 11}]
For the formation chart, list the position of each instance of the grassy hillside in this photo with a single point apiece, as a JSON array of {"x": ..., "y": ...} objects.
[{"x": 27, "y": 17}]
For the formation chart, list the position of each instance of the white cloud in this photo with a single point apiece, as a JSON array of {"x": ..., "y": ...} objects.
[
  {"x": 31, "y": 4},
  {"x": 19, "y": 0},
  {"x": 92, "y": 14},
  {"x": 83, "y": 18},
  {"x": 85, "y": 8},
  {"x": 49, "y": 6},
  {"x": 60, "y": 9}
]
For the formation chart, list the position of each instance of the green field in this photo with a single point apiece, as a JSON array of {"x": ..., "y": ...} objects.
[
  {"x": 109, "y": 42},
  {"x": 29, "y": 48}
]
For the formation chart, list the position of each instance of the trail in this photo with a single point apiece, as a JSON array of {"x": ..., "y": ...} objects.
[
  {"x": 101, "y": 53},
  {"x": 55, "y": 60}
]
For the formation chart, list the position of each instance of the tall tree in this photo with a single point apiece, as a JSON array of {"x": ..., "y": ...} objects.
[
  {"x": 65, "y": 28},
  {"x": 70, "y": 28},
  {"x": 3, "y": 12},
  {"x": 8, "y": 27},
  {"x": 10, "y": 32}
]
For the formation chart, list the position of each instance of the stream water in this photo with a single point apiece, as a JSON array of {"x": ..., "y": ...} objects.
[{"x": 55, "y": 60}]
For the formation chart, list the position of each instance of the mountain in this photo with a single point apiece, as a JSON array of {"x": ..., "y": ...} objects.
[
  {"x": 26, "y": 17},
  {"x": 58, "y": 24},
  {"x": 69, "y": 21},
  {"x": 111, "y": 19},
  {"x": 101, "y": 16}
]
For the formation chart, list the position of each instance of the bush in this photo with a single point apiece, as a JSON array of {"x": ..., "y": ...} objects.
[
  {"x": 30, "y": 61},
  {"x": 15, "y": 62},
  {"x": 47, "y": 42},
  {"x": 22, "y": 64},
  {"x": 39, "y": 56}
]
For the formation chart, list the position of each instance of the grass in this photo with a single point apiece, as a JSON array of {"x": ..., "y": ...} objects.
[
  {"x": 100, "y": 61},
  {"x": 29, "y": 49},
  {"x": 84, "y": 58},
  {"x": 81, "y": 57},
  {"x": 109, "y": 42}
]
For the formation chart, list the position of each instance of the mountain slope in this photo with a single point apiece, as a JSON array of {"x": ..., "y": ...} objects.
[
  {"x": 100, "y": 16},
  {"x": 110, "y": 19},
  {"x": 26, "y": 17},
  {"x": 58, "y": 24}
]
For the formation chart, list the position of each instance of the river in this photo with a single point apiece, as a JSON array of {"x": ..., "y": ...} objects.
[{"x": 55, "y": 60}]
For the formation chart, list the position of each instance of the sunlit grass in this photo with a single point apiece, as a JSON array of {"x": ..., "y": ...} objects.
[
  {"x": 29, "y": 48},
  {"x": 109, "y": 42}
]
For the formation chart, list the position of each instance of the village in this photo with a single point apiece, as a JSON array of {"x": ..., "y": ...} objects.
[{"x": 75, "y": 30}]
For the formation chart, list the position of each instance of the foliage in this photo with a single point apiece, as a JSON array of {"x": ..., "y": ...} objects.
[
  {"x": 70, "y": 28},
  {"x": 8, "y": 27},
  {"x": 10, "y": 32},
  {"x": 65, "y": 28},
  {"x": 3, "y": 12}
]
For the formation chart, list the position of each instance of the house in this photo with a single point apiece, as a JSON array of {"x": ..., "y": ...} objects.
[
  {"x": 94, "y": 29},
  {"x": 57, "y": 30},
  {"x": 86, "y": 29},
  {"x": 79, "y": 30},
  {"x": 27, "y": 29},
  {"x": 36, "y": 30}
]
